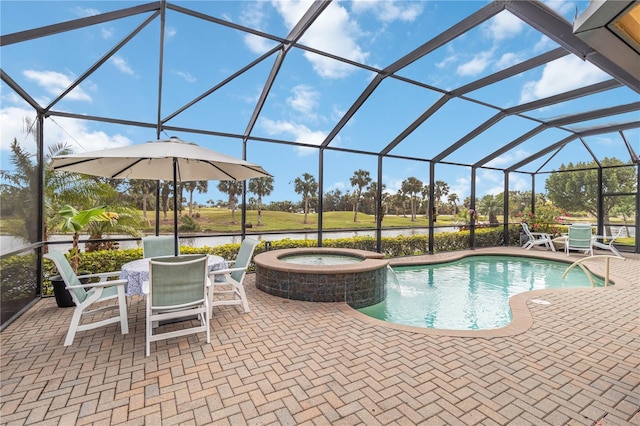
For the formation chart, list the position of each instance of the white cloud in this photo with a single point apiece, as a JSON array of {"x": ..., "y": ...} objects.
[
  {"x": 107, "y": 32},
  {"x": 121, "y": 64},
  {"x": 506, "y": 60},
  {"x": 545, "y": 43},
  {"x": 85, "y": 11},
  {"x": 462, "y": 187},
  {"x": 298, "y": 132},
  {"x": 170, "y": 32},
  {"x": 564, "y": 8},
  {"x": 253, "y": 16},
  {"x": 338, "y": 185},
  {"x": 446, "y": 61},
  {"x": 555, "y": 78},
  {"x": 508, "y": 159},
  {"x": 186, "y": 76},
  {"x": 476, "y": 65},
  {"x": 257, "y": 44},
  {"x": 333, "y": 32},
  {"x": 304, "y": 99},
  {"x": 503, "y": 26},
  {"x": 75, "y": 133},
  {"x": 55, "y": 83},
  {"x": 389, "y": 10}
]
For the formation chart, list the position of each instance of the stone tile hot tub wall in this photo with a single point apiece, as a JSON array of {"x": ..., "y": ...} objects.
[{"x": 358, "y": 284}]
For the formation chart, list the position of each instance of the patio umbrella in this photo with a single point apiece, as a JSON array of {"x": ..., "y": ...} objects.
[{"x": 173, "y": 160}]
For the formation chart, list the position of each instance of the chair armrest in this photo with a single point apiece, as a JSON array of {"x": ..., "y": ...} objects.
[
  {"x": 102, "y": 275},
  {"x": 540, "y": 234},
  {"x": 100, "y": 284},
  {"x": 225, "y": 271}
]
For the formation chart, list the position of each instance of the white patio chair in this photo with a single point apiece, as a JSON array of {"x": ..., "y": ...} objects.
[
  {"x": 537, "y": 239},
  {"x": 599, "y": 242},
  {"x": 85, "y": 295},
  {"x": 579, "y": 238},
  {"x": 230, "y": 281},
  {"x": 160, "y": 245},
  {"x": 177, "y": 288}
]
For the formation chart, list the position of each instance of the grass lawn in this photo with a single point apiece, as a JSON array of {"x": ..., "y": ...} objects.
[{"x": 212, "y": 219}]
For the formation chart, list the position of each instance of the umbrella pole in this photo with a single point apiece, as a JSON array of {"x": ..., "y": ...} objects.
[{"x": 175, "y": 206}]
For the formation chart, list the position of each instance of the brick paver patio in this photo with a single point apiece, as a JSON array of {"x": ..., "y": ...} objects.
[{"x": 575, "y": 361}]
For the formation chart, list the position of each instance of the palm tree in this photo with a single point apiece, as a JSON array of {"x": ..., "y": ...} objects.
[
  {"x": 20, "y": 191},
  {"x": 372, "y": 192},
  {"x": 412, "y": 186},
  {"x": 165, "y": 189},
  {"x": 201, "y": 186},
  {"x": 453, "y": 200},
  {"x": 307, "y": 187},
  {"x": 142, "y": 189},
  {"x": 232, "y": 188},
  {"x": 359, "y": 180},
  {"x": 440, "y": 190},
  {"x": 262, "y": 187},
  {"x": 491, "y": 206}
]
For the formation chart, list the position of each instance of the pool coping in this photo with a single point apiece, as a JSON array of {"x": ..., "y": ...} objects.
[
  {"x": 522, "y": 318},
  {"x": 271, "y": 259}
]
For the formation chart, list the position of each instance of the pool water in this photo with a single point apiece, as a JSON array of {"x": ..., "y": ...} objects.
[
  {"x": 321, "y": 259},
  {"x": 469, "y": 294}
]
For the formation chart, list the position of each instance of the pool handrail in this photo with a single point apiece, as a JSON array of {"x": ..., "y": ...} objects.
[{"x": 588, "y": 273}]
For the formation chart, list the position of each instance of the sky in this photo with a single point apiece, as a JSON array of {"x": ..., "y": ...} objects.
[{"x": 310, "y": 93}]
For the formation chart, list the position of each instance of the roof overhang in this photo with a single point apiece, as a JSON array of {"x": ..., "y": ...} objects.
[{"x": 612, "y": 28}]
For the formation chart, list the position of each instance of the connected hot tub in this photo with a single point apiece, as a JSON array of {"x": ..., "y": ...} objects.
[{"x": 320, "y": 274}]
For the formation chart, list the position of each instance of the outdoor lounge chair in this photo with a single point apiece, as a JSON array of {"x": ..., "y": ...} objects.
[
  {"x": 177, "y": 288},
  {"x": 599, "y": 242},
  {"x": 537, "y": 239},
  {"x": 579, "y": 238},
  {"x": 156, "y": 246},
  {"x": 229, "y": 282},
  {"x": 85, "y": 295}
]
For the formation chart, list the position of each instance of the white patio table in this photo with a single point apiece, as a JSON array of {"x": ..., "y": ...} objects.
[{"x": 137, "y": 272}]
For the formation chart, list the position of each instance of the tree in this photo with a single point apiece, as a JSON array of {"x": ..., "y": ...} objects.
[
  {"x": 261, "y": 187},
  {"x": 307, "y": 187},
  {"x": 491, "y": 206},
  {"x": 440, "y": 190},
  {"x": 412, "y": 186},
  {"x": 165, "y": 189},
  {"x": 575, "y": 187},
  {"x": 201, "y": 186},
  {"x": 76, "y": 220},
  {"x": 625, "y": 207},
  {"x": 143, "y": 190},
  {"x": 359, "y": 180},
  {"x": 453, "y": 200},
  {"x": 372, "y": 193},
  {"x": 232, "y": 188},
  {"x": 19, "y": 190},
  {"x": 331, "y": 200}
]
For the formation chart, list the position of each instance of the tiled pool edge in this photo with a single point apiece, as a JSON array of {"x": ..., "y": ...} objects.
[
  {"x": 519, "y": 304},
  {"x": 359, "y": 284}
]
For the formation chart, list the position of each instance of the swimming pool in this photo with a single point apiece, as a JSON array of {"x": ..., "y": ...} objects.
[{"x": 468, "y": 294}]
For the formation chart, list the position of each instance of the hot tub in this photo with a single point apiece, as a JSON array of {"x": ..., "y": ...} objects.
[{"x": 320, "y": 274}]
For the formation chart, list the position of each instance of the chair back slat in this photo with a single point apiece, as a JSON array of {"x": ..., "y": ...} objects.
[
  {"x": 68, "y": 276},
  {"x": 580, "y": 236},
  {"x": 161, "y": 245},
  {"x": 177, "y": 280},
  {"x": 525, "y": 228},
  {"x": 244, "y": 257}
]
